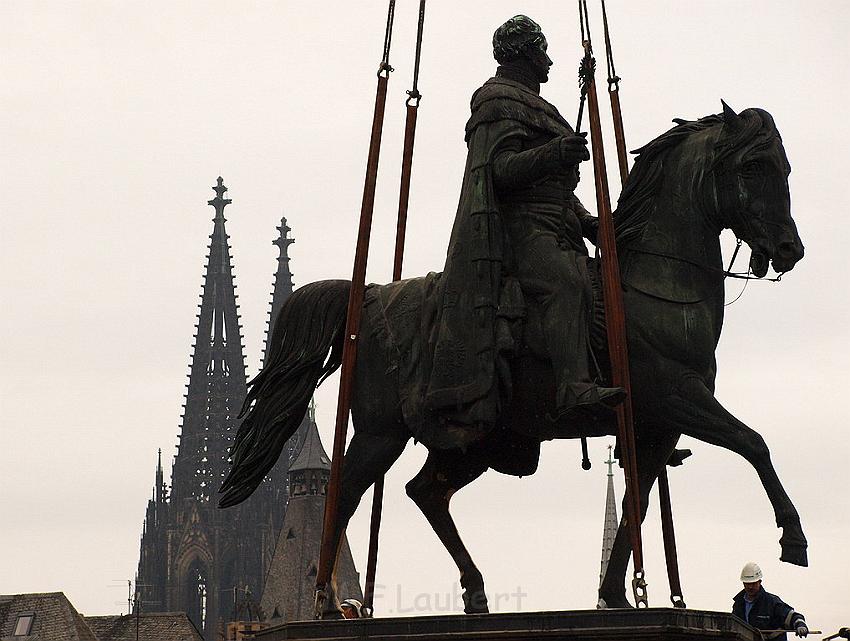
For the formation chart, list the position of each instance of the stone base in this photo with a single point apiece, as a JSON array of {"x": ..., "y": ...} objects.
[{"x": 653, "y": 624}]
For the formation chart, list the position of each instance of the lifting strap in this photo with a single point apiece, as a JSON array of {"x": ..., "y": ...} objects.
[
  {"x": 412, "y": 104},
  {"x": 327, "y": 554},
  {"x": 667, "y": 528},
  {"x": 614, "y": 95},
  {"x": 669, "y": 536},
  {"x": 614, "y": 312}
]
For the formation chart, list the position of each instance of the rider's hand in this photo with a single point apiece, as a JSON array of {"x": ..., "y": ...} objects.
[
  {"x": 802, "y": 629},
  {"x": 572, "y": 149}
]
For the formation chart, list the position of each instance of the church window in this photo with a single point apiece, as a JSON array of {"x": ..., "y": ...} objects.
[{"x": 197, "y": 593}]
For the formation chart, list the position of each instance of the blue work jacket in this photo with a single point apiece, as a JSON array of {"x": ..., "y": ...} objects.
[{"x": 769, "y": 612}]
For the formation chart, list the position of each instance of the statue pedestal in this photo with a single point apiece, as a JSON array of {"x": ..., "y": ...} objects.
[{"x": 653, "y": 624}]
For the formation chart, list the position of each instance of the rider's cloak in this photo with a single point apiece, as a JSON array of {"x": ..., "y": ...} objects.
[{"x": 463, "y": 384}]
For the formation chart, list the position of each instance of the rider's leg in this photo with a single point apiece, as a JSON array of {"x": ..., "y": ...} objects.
[{"x": 556, "y": 277}]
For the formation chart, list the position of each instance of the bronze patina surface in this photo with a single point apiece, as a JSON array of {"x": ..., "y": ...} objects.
[{"x": 487, "y": 360}]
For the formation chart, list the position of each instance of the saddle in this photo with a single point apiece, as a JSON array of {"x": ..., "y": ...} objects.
[{"x": 402, "y": 317}]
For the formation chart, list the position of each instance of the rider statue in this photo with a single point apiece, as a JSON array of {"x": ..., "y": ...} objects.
[{"x": 518, "y": 223}]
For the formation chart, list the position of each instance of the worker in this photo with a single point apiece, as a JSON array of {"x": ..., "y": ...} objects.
[
  {"x": 352, "y": 609},
  {"x": 763, "y": 610}
]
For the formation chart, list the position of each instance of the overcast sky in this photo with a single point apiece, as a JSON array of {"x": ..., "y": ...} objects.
[{"x": 119, "y": 116}]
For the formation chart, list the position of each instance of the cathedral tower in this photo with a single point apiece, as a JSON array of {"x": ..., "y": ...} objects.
[
  {"x": 195, "y": 557},
  {"x": 289, "y": 593}
]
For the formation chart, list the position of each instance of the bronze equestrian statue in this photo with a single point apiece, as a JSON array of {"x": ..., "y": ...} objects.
[{"x": 506, "y": 348}]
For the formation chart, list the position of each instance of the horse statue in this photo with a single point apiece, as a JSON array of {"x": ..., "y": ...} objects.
[{"x": 724, "y": 171}]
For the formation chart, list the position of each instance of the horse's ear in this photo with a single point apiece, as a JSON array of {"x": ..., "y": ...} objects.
[{"x": 732, "y": 119}]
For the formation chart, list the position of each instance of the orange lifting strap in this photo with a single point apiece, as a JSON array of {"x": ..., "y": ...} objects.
[
  {"x": 614, "y": 312},
  {"x": 327, "y": 555},
  {"x": 412, "y": 104},
  {"x": 615, "y": 315},
  {"x": 355, "y": 305}
]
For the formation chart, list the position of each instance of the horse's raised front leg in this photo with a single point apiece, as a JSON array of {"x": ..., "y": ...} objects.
[
  {"x": 652, "y": 450},
  {"x": 698, "y": 414},
  {"x": 367, "y": 459},
  {"x": 444, "y": 473}
]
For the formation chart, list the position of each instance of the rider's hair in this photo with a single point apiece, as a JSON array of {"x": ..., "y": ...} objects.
[{"x": 512, "y": 39}]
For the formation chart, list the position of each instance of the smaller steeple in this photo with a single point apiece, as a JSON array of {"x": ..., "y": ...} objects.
[
  {"x": 291, "y": 580},
  {"x": 609, "y": 531},
  {"x": 311, "y": 469}
]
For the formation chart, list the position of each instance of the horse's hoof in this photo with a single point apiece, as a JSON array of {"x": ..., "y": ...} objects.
[
  {"x": 332, "y": 615},
  {"x": 795, "y": 553},
  {"x": 474, "y": 597},
  {"x": 611, "y": 601},
  {"x": 475, "y": 602},
  {"x": 794, "y": 549}
]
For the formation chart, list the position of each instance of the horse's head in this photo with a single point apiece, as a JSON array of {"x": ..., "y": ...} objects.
[{"x": 751, "y": 178}]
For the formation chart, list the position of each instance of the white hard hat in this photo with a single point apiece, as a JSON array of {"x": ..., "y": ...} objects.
[
  {"x": 751, "y": 573},
  {"x": 353, "y": 603}
]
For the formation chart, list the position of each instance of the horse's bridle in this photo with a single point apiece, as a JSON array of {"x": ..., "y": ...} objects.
[
  {"x": 726, "y": 200},
  {"x": 724, "y": 191}
]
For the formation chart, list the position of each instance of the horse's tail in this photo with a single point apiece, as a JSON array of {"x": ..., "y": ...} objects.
[{"x": 304, "y": 349}]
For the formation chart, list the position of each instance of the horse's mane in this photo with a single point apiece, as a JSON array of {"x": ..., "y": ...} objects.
[{"x": 755, "y": 129}]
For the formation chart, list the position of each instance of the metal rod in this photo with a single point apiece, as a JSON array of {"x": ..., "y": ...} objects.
[
  {"x": 616, "y": 331},
  {"x": 328, "y": 552}
]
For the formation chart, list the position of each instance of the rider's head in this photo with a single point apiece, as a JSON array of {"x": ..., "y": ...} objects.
[{"x": 521, "y": 41}]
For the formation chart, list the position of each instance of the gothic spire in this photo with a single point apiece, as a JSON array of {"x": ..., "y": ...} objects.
[
  {"x": 282, "y": 286},
  {"x": 217, "y": 378},
  {"x": 611, "y": 522},
  {"x": 160, "y": 483},
  {"x": 282, "y": 289}
]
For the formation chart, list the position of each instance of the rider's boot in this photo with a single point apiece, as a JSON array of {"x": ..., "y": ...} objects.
[{"x": 595, "y": 402}]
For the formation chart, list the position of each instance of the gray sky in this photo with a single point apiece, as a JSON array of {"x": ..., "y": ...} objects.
[{"x": 118, "y": 117}]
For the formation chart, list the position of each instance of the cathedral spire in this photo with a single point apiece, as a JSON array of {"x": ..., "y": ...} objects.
[
  {"x": 194, "y": 557},
  {"x": 160, "y": 484},
  {"x": 611, "y": 522},
  {"x": 282, "y": 289},
  {"x": 217, "y": 378},
  {"x": 282, "y": 286}
]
